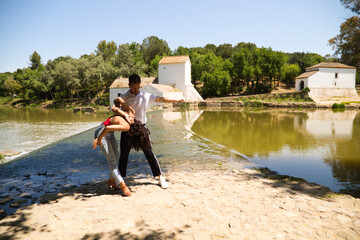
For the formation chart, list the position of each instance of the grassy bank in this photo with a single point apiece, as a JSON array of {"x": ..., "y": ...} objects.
[{"x": 101, "y": 103}]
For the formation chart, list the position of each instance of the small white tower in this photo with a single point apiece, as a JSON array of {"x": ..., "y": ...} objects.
[{"x": 176, "y": 71}]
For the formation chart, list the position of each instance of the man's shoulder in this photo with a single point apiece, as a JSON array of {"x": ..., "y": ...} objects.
[
  {"x": 125, "y": 95},
  {"x": 146, "y": 94}
]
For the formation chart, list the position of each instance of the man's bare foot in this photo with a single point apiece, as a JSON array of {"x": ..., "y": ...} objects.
[{"x": 125, "y": 189}]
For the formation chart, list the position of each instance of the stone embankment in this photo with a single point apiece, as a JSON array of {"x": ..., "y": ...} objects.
[
  {"x": 84, "y": 110},
  {"x": 258, "y": 103}
]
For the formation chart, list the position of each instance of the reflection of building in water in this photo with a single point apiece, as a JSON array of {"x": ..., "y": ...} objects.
[
  {"x": 327, "y": 123},
  {"x": 189, "y": 117}
]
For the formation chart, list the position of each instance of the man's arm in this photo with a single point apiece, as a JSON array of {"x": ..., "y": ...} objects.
[
  {"x": 116, "y": 110},
  {"x": 167, "y": 100}
]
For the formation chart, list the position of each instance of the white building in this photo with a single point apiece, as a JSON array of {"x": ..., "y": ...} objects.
[
  {"x": 121, "y": 85},
  {"x": 328, "y": 79},
  {"x": 174, "y": 81},
  {"x": 176, "y": 71}
]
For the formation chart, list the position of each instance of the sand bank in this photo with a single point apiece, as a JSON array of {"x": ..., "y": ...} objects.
[{"x": 212, "y": 203}]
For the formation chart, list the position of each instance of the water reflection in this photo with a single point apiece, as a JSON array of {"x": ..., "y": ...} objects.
[{"x": 321, "y": 146}]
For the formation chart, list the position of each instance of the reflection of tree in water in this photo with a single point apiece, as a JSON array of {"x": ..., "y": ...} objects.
[
  {"x": 251, "y": 133},
  {"x": 345, "y": 162}
]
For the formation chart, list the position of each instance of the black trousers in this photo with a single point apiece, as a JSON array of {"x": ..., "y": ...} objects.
[{"x": 124, "y": 156}]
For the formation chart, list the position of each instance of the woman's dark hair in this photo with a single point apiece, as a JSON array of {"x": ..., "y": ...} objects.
[
  {"x": 139, "y": 136},
  {"x": 134, "y": 78},
  {"x": 117, "y": 102}
]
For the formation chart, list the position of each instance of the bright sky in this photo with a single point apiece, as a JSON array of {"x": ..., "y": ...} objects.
[{"x": 74, "y": 27}]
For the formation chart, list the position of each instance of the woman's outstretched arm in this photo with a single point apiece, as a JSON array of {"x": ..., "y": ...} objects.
[{"x": 106, "y": 130}]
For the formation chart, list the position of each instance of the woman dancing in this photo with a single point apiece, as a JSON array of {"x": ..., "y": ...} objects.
[{"x": 105, "y": 139}]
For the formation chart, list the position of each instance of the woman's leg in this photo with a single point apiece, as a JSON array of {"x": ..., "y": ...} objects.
[
  {"x": 113, "y": 161},
  {"x": 111, "y": 152}
]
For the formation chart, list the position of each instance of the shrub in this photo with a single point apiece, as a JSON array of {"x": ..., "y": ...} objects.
[
  {"x": 256, "y": 104},
  {"x": 184, "y": 106},
  {"x": 306, "y": 90},
  {"x": 338, "y": 105}
]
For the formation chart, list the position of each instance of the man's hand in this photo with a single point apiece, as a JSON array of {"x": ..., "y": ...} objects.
[{"x": 167, "y": 100}]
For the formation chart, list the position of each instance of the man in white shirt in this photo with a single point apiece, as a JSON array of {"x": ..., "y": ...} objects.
[{"x": 139, "y": 101}]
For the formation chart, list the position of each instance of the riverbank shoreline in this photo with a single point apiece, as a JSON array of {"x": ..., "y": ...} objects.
[
  {"x": 277, "y": 100},
  {"x": 212, "y": 202}
]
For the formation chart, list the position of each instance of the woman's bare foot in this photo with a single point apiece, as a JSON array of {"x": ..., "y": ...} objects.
[
  {"x": 94, "y": 143},
  {"x": 125, "y": 189}
]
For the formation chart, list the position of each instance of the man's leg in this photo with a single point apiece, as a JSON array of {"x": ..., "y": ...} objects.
[
  {"x": 124, "y": 153},
  {"x": 155, "y": 167},
  {"x": 153, "y": 162}
]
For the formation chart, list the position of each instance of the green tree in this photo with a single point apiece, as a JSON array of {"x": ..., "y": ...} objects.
[
  {"x": 212, "y": 62},
  {"x": 196, "y": 66},
  {"x": 30, "y": 82},
  {"x": 3, "y": 78},
  {"x": 12, "y": 86},
  {"x": 66, "y": 78},
  {"x": 216, "y": 83},
  {"x": 84, "y": 72},
  {"x": 180, "y": 51},
  {"x": 347, "y": 43},
  {"x": 305, "y": 60},
  {"x": 272, "y": 64},
  {"x": 291, "y": 71},
  {"x": 152, "y": 46},
  {"x": 50, "y": 78},
  {"x": 106, "y": 49},
  {"x": 35, "y": 61},
  {"x": 243, "y": 61},
  {"x": 154, "y": 66},
  {"x": 224, "y": 51},
  {"x": 353, "y": 5},
  {"x": 210, "y": 48},
  {"x": 250, "y": 46},
  {"x": 128, "y": 60}
]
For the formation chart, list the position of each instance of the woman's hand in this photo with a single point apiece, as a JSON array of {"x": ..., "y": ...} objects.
[{"x": 129, "y": 119}]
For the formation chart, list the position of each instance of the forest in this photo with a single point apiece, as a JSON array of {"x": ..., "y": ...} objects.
[{"x": 215, "y": 70}]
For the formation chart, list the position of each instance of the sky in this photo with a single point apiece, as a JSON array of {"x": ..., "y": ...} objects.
[{"x": 55, "y": 28}]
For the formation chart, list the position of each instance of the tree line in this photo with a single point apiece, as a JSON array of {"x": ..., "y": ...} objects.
[
  {"x": 219, "y": 70},
  {"x": 216, "y": 70}
]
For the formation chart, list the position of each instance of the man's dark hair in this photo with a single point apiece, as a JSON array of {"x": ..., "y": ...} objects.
[{"x": 134, "y": 79}]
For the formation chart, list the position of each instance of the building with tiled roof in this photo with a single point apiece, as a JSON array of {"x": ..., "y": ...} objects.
[
  {"x": 176, "y": 71},
  {"x": 328, "y": 79}
]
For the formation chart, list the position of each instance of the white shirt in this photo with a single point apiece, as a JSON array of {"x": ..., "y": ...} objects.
[{"x": 139, "y": 103}]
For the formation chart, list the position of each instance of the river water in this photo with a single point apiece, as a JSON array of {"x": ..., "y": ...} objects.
[
  {"x": 320, "y": 146},
  {"x": 24, "y": 130}
]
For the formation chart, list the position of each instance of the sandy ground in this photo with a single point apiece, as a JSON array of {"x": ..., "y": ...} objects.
[{"x": 213, "y": 203}]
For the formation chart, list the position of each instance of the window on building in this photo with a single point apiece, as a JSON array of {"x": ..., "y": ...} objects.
[{"x": 336, "y": 75}]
